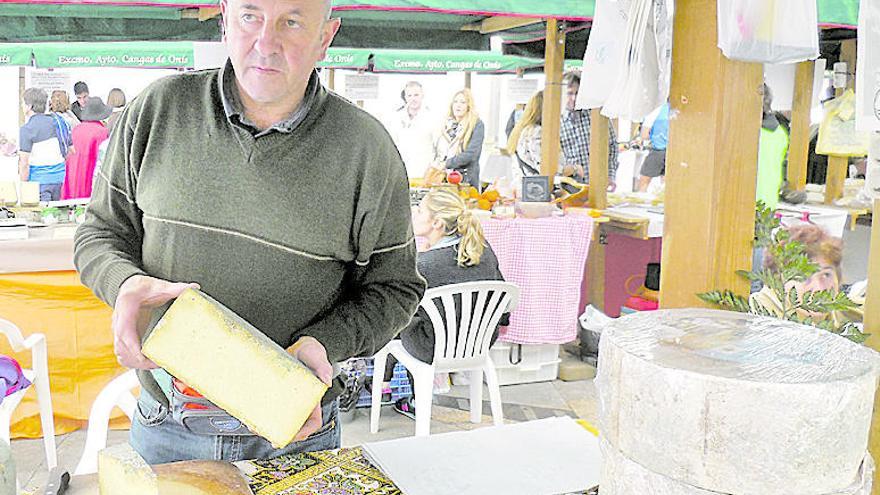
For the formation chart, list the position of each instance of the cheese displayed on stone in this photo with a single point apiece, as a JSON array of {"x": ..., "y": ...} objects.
[
  {"x": 736, "y": 403},
  {"x": 235, "y": 366},
  {"x": 122, "y": 471},
  {"x": 621, "y": 476}
]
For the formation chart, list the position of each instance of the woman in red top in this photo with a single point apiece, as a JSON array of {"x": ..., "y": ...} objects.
[{"x": 87, "y": 137}]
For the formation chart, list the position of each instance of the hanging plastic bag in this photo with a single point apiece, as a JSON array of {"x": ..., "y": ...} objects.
[
  {"x": 768, "y": 31},
  {"x": 837, "y": 134},
  {"x": 605, "y": 52}
]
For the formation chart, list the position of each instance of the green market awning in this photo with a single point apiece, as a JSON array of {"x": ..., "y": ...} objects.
[
  {"x": 15, "y": 54},
  {"x": 120, "y": 54},
  {"x": 346, "y": 58},
  {"x": 449, "y": 61}
]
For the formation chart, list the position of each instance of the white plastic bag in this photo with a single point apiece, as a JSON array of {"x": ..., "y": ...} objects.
[
  {"x": 605, "y": 51},
  {"x": 627, "y": 63},
  {"x": 769, "y": 31}
]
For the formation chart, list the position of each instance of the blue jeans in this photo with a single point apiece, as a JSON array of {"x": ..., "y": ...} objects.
[
  {"x": 160, "y": 439},
  {"x": 50, "y": 192}
]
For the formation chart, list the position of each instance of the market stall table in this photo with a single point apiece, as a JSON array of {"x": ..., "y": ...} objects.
[
  {"x": 568, "y": 448},
  {"x": 41, "y": 292}
]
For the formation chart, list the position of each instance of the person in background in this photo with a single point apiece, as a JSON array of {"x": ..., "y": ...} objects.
[
  {"x": 524, "y": 140},
  {"x": 65, "y": 120},
  {"x": 412, "y": 129},
  {"x": 87, "y": 137},
  {"x": 455, "y": 251},
  {"x": 40, "y": 157},
  {"x": 116, "y": 101},
  {"x": 823, "y": 250},
  {"x": 772, "y": 150},
  {"x": 575, "y": 135},
  {"x": 460, "y": 143},
  {"x": 81, "y": 91},
  {"x": 59, "y": 103},
  {"x": 655, "y": 131}
]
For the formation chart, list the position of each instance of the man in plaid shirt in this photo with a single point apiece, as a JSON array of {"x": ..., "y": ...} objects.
[{"x": 574, "y": 136}]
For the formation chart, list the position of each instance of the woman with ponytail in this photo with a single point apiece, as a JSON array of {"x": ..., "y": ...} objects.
[{"x": 454, "y": 251}]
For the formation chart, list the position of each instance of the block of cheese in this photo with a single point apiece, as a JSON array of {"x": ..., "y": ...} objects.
[
  {"x": 736, "y": 403},
  {"x": 122, "y": 471},
  {"x": 8, "y": 194},
  {"x": 30, "y": 193},
  {"x": 622, "y": 476},
  {"x": 235, "y": 366},
  {"x": 201, "y": 478}
]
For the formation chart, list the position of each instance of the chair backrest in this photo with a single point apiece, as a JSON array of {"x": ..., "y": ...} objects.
[
  {"x": 463, "y": 339},
  {"x": 115, "y": 393}
]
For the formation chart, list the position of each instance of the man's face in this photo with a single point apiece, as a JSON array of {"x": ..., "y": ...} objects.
[
  {"x": 413, "y": 96},
  {"x": 571, "y": 96},
  {"x": 81, "y": 98},
  {"x": 275, "y": 44}
]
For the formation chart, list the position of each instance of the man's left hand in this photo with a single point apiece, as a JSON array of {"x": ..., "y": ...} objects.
[{"x": 311, "y": 353}]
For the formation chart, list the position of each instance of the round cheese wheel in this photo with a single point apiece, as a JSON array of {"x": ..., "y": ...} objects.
[
  {"x": 736, "y": 403},
  {"x": 622, "y": 476}
]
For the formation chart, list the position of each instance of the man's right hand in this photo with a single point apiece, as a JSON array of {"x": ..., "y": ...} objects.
[{"x": 138, "y": 295}]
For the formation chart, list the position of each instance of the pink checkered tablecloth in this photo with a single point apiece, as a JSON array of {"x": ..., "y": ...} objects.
[{"x": 546, "y": 258}]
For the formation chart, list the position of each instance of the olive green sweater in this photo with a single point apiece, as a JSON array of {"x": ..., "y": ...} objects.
[{"x": 300, "y": 233}]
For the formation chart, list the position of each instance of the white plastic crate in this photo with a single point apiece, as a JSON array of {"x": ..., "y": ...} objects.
[{"x": 525, "y": 363}]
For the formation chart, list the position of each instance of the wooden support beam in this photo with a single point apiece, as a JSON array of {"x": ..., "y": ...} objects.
[
  {"x": 849, "y": 54},
  {"x": 496, "y": 24},
  {"x": 834, "y": 180},
  {"x": 201, "y": 13},
  {"x": 596, "y": 269},
  {"x": 331, "y": 79},
  {"x": 799, "y": 149},
  {"x": 711, "y": 164},
  {"x": 553, "y": 64},
  {"x": 468, "y": 79},
  {"x": 872, "y": 327},
  {"x": 599, "y": 136},
  {"x": 21, "y": 88}
]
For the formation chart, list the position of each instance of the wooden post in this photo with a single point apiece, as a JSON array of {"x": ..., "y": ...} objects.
[
  {"x": 468, "y": 79},
  {"x": 553, "y": 63},
  {"x": 599, "y": 137},
  {"x": 799, "y": 150},
  {"x": 331, "y": 79},
  {"x": 838, "y": 166},
  {"x": 835, "y": 178},
  {"x": 21, "y": 88},
  {"x": 711, "y": 162},
  {"x": 872, "y": 327}
]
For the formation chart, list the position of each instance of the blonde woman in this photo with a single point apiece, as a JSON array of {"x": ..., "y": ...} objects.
[
  {"x": 525, "y": 138},
  {"x": 454, "y": 251},
  {"x": 460, "y": 143},
  {"x": 116, "y": 101}
]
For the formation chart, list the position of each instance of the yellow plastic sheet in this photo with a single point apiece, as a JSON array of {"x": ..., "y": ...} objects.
[
  {"x": 837, "y": 133},
  {"x": 79, "y": 341}
]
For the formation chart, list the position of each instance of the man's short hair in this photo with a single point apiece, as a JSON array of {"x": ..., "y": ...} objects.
[
  {"x": 35, "y": 98},
  {"x": 572, "y": 78},
  {"x": 411, "y": 84},
  {"x": 80, "y": 87}
]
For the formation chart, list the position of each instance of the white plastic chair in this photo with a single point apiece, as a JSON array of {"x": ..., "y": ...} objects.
[
  {"x": 116, "y": 393},
  {"x": 39, "y": 376},
  {"x": 460, "y": 344}
]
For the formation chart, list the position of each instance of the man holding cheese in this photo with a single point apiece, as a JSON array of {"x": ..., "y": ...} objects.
[{"x": 281, "y": 200}]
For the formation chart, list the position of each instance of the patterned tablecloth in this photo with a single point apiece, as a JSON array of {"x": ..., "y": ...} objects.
[{"x": 546, "y": 258}]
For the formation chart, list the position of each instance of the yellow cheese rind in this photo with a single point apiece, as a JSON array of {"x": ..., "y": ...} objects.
[
  {"x": 201, "y": 478},
  {"x": 235, "y": 366},
  {"x": 122, "y": 471}
]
